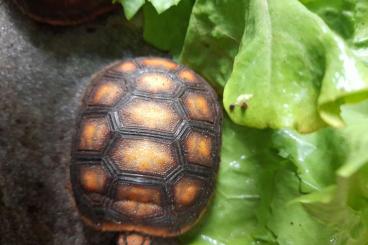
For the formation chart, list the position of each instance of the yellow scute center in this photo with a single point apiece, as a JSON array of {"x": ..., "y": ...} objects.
[
  {"x": 188, "y": 76},
  {"x": 155, "y": 83},
  {"x": 198, "y": 148},
  {"x": 106, "y": 94},
  {"x": 149, "y": 114},
  {"x": 94, "y": 133},
  {"x": 93, "y": 179},
  {"x": 127, "y": 66},
  {"x": 186, "y": 191},
  {"x": 143, "y": 156},
  {"x": 198, "y": 107},
  {"x": 159, "y": 62}
]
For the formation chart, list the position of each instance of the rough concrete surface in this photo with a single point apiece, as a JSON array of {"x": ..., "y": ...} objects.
[{"x": 43, "y": 72}]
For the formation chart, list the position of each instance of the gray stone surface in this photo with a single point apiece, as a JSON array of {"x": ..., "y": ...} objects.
[{"x": 43, "y": 72}]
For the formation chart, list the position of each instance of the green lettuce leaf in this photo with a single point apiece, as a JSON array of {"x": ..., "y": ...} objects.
[
  {"x": 277, "y": 59},
  {"x": 131, "y": 7},
  {"x": 213, "y": 38},
  {"x": 163, "y": 5},
  {"x": 252, "y": 203},
  {"x": 167, "y": 31},
  {"x": 346, "y": 17},
  {"x": 280, "y": 187},
  {"x": 342, "y": 205}
]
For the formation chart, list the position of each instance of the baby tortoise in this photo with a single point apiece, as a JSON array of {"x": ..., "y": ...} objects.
[
  {"x": 64, "y": 12},
  {"x": 146, "y": 150}
]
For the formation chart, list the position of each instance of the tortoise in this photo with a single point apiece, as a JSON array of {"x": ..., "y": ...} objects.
[
  {"x": 146, "y": 150},
  {"x": 64, "y": 12}
]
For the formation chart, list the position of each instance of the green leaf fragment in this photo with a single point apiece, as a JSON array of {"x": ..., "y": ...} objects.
[
  {"x": 163, "y": 5},
  {"x": 131, "y": 7},
  {"x": 167, "y": 31},
  {"x": 213, "y": 38},
  {"x": 340, "y": 204}
]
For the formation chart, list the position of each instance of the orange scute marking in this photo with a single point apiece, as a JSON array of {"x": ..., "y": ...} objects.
[
  {"x": 138, "y": 210},
  {"x": 149, "y": 114},
  {"x": 138, "y": 194},
  {"x": 93, "y": 179},
  {"x": 143, "y": 156},
  {"x": 94, "y": 134},
  {"x": 198, "y": 148},
  {"x": 155, "y": 83},
  {"x": 198, "y": 107},
  {"x": 188, "y": 76},
  {"x": 186, "y": 191},
  {"x": 127, "y": 66},
  {"x": 107, "y": 94},
  {"x": 159, "y": 62}
]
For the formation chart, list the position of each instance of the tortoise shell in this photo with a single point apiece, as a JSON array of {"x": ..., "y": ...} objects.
[
  {"x": 146, "y": 152},
  {"x": 64, "y": 12}
]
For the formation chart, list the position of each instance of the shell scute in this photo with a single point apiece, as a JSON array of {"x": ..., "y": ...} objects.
[
  {"x": 106, "y": 93},
  {"x": 143, "y": 156},
  {"x": 150, "y": 114},
  {"x": 94, "y": 134},
  {"x": 198, "y": 147},
  {"x": 199, "y": 106}
]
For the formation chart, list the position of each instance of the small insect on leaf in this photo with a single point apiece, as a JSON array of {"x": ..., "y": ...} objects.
[{"x": 244, "y": 106}]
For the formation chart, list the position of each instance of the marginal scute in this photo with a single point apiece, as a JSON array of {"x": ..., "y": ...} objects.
[
  {"x": 198, "y": 148},
  {"x": 143, "y": 155},
  {"x": 186, "y": 191},
  {"x": 137, "y": 209},
  {"x": 94, "y": 134},
  {"x": 149, "y": 114},
  {"x": 126, "y": 67},
  {"x": 159, "y": 63},
  {"x": 106, "y": 94},
  {"x": 136, "y": 193},
  {"x": 188, "y": 76},
  {"x": 155, "y": 83},
  {"x": 198, "y": 107},
  {"x": 93, "y": 179}
]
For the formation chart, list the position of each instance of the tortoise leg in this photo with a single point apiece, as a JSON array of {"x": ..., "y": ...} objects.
[
  {"x": 133, "y": 239},
  {"x": 129, "y": 238}
]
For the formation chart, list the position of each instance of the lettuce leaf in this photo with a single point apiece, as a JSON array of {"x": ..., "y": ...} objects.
[
  {"x": 281, "y": 187},
  {"x": 131, "y": 7},
  {"x": 253, "y": 195},
  {"x": 172, "y": 25},
  {"x": 213, "y": 38},
  {"x": 281, "y": 61},
  {"x": 343, "y": 204},
  {"x": 346, "y": 17}
]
